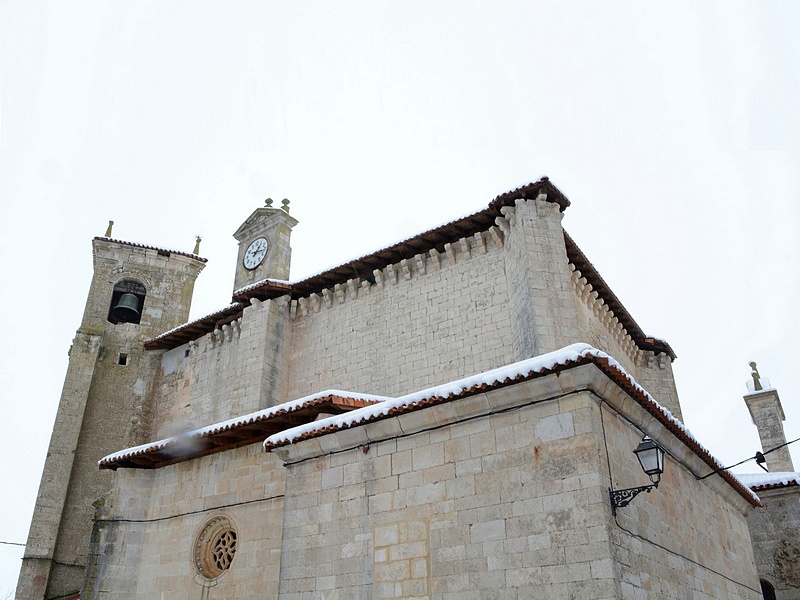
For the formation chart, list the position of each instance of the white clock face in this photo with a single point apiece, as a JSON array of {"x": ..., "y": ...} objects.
[{"x": 255, "y": 253}]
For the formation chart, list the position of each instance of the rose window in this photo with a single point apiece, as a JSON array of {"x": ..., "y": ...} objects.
[{"x": 215, "y": 548}]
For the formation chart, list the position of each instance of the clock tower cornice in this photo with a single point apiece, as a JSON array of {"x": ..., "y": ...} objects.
[{"x": 263, "y": 219}]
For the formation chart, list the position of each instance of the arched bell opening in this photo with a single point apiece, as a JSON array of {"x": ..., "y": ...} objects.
[{"x": 127, "y": 302}]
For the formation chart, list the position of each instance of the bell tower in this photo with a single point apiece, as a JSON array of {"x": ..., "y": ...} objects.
[
  {"x": 767, "y": 413},
  {"x": 137, "y": 292},
  {"x": 264, "y": 250}
]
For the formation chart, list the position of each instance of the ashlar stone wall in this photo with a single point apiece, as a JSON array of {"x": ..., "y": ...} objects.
[
  {"x": 101, "y": 408},
  {"x": 537, "y": 274},
  {"x": 233, "y": 371},
  {"x": 602, "y": 329},
  {"x": 424, "y": 321},
  {"x": 485, "y": 301},
  {"x": 509, "y": 505},
  {"x": 505, "y": 495},
  {"x": 685, "y": 535},
  {"x": 143, "y": 544}
]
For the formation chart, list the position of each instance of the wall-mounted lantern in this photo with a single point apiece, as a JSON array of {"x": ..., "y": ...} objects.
[{"x": 651, "y": 457}]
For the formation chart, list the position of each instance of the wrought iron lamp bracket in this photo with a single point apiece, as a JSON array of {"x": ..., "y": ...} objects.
[{"x": 620, "y": 498}]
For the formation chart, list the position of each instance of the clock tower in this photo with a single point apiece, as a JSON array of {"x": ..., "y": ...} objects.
[{"x": 264, "y": 250}]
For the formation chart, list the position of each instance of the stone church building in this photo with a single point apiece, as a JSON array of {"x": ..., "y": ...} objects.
[{"x": 450, "y": 417}]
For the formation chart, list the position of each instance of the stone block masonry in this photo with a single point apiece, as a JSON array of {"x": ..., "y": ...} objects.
[
  {"x": 477, "y": 303},
  {"x": 509, "y": 503},
  {"x": 502, "y": 493},
  {"x": 240, "y": 362},
  {"x": 94, "y": 417},
  {"x": 145, "y": 540},
  {"x": 776, "y": 539},
  {"x": 422, "y": 322}
]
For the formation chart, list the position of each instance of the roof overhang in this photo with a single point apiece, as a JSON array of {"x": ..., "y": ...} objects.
[
  {"x": 364, "y": 267},
  {"x": 234, "y": 433},
  {"x": 681, "y": 441},
  {"x": 760, "y": 482},
  {"x": 310, "y": 417}
]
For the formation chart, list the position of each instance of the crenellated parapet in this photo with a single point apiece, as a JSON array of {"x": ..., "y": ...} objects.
[
  {"x": 234, "y": 368},
  {"x": 597, "y": 305},
  {"x": 649, "y": 358},
  {"x": 225, "y": 334},
  {"x": 394, "y": 274}
]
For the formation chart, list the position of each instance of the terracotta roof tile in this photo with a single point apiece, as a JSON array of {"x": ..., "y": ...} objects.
[
  {"x": 428, "y": 240},
  {"x": 156, "y": 248},
  {"x": 195, "y": 329},
  {"x": 770, "y": 481},
  {"x": 541, "y": 366},
  {"x": 236, "y": 432}
]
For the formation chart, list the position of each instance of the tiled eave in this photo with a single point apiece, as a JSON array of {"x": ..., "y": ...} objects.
[
  {"x": 247, "y": 430},
  {"x": 269, "y": 289},
  {"x": 772, "y": 480},
  {"x": 608, "y": 367},
  {"x": 195, "y": 329},
  {"x": 587, "y": 269},
  {"x": 162, "y": 251},
  {"x": 422, "y": 243},
  {"x": 773, "y": 486}
]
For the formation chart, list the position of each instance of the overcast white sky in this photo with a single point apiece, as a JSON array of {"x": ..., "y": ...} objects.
[{"x": 674, "y": 129}]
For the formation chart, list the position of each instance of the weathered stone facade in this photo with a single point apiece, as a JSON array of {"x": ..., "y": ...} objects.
[
  {"x": 502, "y": 494},
  {"x": 104, "y": 398},
  {"x": 508, "y": 500},
  {"x": 436, "y": 316},
  {"x": 144, "y": 541},
  {"x": 498, "y": 494},
  {"x": 767, "y": 413}
]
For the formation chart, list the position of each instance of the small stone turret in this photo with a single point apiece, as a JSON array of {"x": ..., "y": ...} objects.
[{"x": 765, "y": 408}]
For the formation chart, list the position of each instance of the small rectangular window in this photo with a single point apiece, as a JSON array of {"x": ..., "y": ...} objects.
[{"x": 123, "y": 359}]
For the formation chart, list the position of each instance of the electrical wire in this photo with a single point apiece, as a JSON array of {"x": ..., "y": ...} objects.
[
  {"x": 702, "y": 566},
  {"x": 747, "y": 459},
  {"x": 644, "y": 539},
  {"x": 191, "y": 512},
  {"x": 642, "y": 431},
  {"x": 448, "y": 424}
]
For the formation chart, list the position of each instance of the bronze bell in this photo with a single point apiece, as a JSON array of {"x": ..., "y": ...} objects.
[{"x": 127, "y": 309}]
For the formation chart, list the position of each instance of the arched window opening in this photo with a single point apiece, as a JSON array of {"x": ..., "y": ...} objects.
[
  {"x": 767, "y": 590},
  {"x": 127, "y": 302}
]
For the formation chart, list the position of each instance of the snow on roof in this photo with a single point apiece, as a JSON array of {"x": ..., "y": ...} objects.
[
  {"x": 777, "y": 479},
  {"x": 148, "y": 247},
  {"x": 383, "y": 406},
  {"x": 511, "y": 373},
  {"x": 253, "y": 417},
  {"x": 514, "y": 371},
  {"x": 359, "y": 257},
  {"x": 259, "y": 283},
  {"x": 755, "y": 392},
  {"x": 192, "y": 322}
]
